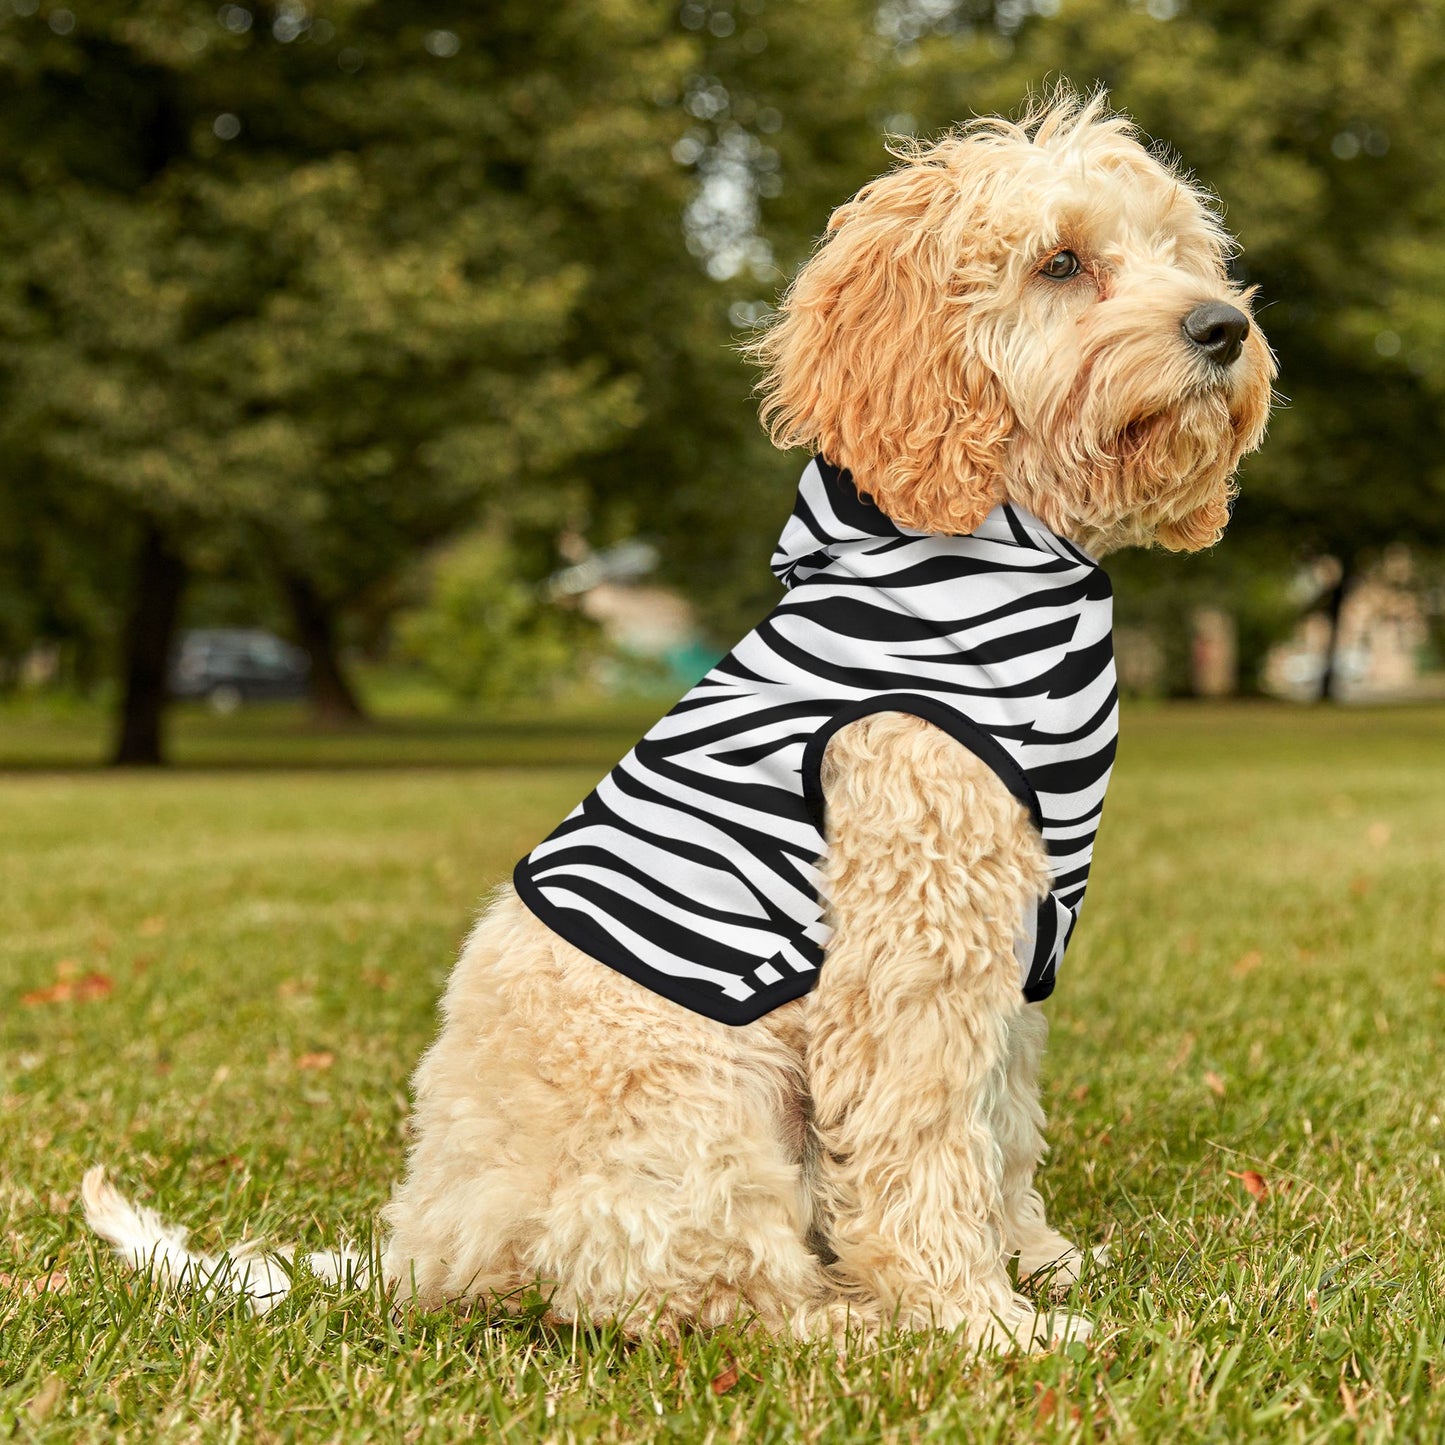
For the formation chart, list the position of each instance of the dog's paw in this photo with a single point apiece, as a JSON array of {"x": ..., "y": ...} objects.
[
  {"x": 1023, "y": 1326},
  {"x": 1058, "y": 1270}
]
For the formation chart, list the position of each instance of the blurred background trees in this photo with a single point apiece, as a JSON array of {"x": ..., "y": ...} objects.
[{"x": 293, "y": 295}]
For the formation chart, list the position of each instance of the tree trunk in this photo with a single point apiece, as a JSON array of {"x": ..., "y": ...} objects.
[
  {"x": 1329, "y": 676},
  {"x": 160, "y": 578},
  {"x": 333, "y": 699}
]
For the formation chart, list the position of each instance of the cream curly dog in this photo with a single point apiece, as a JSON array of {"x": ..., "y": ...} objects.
[{"x": 1033, "y": 313}]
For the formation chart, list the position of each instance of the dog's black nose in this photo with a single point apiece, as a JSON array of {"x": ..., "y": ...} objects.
[{"x": 1218, "y": 330}]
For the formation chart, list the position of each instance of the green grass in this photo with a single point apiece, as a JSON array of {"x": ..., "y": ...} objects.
[
  {"x": 1257, "y": 985},
  {"x": 407, "y": 728}
]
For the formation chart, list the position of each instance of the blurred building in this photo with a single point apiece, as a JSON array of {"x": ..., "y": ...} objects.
[
  {"x": 653, "y": 630},
  {"x": 1382, "y": 652}
]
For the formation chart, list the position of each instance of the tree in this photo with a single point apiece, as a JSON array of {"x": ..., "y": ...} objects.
[
  {"x": 293, "y": 283},
  {"x": 778, "y": 117},
  {"x": 325, "y": 286}
]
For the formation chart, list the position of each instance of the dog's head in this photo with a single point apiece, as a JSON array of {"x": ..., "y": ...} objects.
[{"x": 1034, "y": 311}]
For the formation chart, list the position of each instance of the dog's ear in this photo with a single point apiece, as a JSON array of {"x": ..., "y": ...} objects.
[{"x": 873, "y": 358}]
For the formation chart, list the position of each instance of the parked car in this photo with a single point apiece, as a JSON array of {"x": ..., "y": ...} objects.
[{"x": 230, "y": 665}]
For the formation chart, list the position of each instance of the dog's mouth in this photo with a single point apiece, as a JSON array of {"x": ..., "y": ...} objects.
[
  {"x": 1172, "y": 428},
  {"x": 1201, "y": 411},
  {"x": 1172, "y": 456}
]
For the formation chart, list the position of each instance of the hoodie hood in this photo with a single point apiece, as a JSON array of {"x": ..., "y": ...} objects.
[{"x": 830, "y": 520}]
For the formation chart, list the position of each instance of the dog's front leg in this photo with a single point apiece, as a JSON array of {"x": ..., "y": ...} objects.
[
  {"x": 1043, "y": 1253},
  {"x": 931, "y": 864}
]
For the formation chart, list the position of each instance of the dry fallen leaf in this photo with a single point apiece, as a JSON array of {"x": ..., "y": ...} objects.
[
  {"x": 1247, "y": 963},
  {"x": 1080, "y": 1094},
  {"x": 1046, "y": 1408},
  {"x": 45, "y": 1399},
  {"x": 1181, "y": 1054},
  {"x": 1360, "y": 885},
  {"x": 1214, "y": 1083},
  {"x": 723, "y": 1382},
  {"x": 66, "y": 990},
  {"x": 56, "y": 993},
  {"x": 151, "y": 927},
  {"x": 1347, "y": 1399},
  {"x": 322, "y": 1059},
  {"x": 56, "y": 1282},
  {"x": 1254, "y": 1183}
]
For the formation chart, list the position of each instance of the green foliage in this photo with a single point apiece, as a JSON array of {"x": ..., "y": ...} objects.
[
  {"x": 318, "y": 288},
  {"x": 780, "y": 118},
  {"x": 340, "y": 285},
  {"x": 321, "y": 287},
  {"x": 1247, "y": 924},
  {"x": 308, "y": 286},
  {"x": 486, "y": 633},
  {"x": 61, "y": 569}
]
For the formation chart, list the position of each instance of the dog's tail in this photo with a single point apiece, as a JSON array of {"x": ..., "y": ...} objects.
[{"x": 147, "y": 1243}]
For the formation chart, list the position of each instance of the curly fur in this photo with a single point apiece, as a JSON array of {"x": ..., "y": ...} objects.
[
  {"x": 921, "y": 348},
  {"x": 864, "y": 1155}
]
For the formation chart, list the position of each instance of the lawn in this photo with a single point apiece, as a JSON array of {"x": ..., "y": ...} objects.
[{"x": 217, "y": 979}]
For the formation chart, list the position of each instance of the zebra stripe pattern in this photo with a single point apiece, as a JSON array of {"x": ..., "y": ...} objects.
[{"x": 694, "y": 866}]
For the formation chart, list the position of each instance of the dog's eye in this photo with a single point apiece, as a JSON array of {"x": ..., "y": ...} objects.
[{"x": 1060, "y": 266}]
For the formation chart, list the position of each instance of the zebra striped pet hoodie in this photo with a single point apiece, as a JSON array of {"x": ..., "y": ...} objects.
[{"x": 694, "y": 866}]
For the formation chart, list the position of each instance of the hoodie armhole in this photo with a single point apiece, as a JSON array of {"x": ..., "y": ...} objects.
[{"x": 929, "y": 710}]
